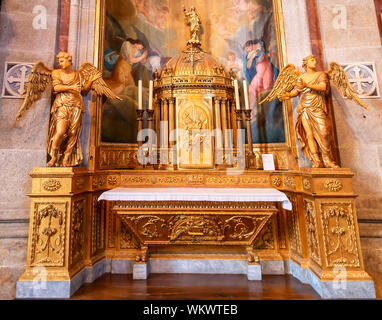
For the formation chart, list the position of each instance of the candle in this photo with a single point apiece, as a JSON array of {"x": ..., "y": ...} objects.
[
  {"x": 237, "y": 96},
  {"x": 151, "y": 92},
  {"x": 246, "y": 99},
  {"x": 140, "y": 95}
]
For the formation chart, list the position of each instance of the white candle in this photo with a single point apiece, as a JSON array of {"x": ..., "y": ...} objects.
[
  {"x": 140, "y": 95},
  {"x": 237, "y": 96},
  {"x": 151, "y": 92},
  {"x": 246, "y": 99}
]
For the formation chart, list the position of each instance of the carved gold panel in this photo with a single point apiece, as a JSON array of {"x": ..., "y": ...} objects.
[
  {"x": 126, "y": 239},
  {"x": 312, "y": 232},
  {"x": 77, "y": 231},
  {"x": 293, "y": 226},
  {"x": 340, "y": 238},
  {"x": 266, "y": 239},
  {"x": 195, "y": 140},
  {"x": 49, "y": 234},
  {"x": 195, "y": 228},
  {"x": 188, "y": 222}
]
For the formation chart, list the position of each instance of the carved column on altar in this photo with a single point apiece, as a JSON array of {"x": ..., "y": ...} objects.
[
  {"x": 172, "y": 132},
  {"x": 164, "y": 145},
  {"x": 141, "y": 153},
  {"x": 157, "y": 119},
  {"x": 151, "y": 142},
  {"x": 219, "y": 149},
  {"x": 240, "y": 142}
]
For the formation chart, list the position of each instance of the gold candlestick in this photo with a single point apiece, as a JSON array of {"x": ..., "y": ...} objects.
[
  {"x": 239, "y": 119},
  {"x": 152, "y": 153},
  {"x": 140, "y": 142},
  {"x": 251, "y": 158}
]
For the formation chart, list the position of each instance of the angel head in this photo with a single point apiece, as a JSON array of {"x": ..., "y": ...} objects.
[
  {"x": 254, "y": 8},
  {"x": 64, "y": 60},
  {"x": 309, "y": 62}
]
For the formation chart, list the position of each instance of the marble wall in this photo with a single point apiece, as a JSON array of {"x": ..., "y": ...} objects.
[
  {"x": 350, "y": 34},
  {"x": 23, "y": 144}
]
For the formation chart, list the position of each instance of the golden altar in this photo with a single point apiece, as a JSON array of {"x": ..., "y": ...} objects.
[{"x": 76, "y": 238}]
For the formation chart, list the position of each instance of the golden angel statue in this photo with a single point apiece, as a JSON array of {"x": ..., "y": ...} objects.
[
  {"x": 194, "y": 21},
  {"x": 313, "y": 127},
  {"x": 65, "y": 127}
]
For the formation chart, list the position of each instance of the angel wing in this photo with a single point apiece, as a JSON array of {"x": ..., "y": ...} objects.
[
  {"x": 340, "y": 79},
  {"x": 285, "y": 82},
  {"x": 92, "y": 76},
  {"x": 38, "y": 80}
]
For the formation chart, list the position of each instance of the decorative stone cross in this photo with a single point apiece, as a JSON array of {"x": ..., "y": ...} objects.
[
  {"x": 359, "y": 80},
  {"x": 22, "y": 79}
]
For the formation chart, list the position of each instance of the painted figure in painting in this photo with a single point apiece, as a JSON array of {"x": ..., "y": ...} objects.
[
  {"x": 313, "y": 126},
  {"x": 233, "y": 64},
  {"x": 258, "y": 69},
  {"x": 132, "y": 52},
  {"x": 68, "y": 107},
  {"x": 229, "y": 24}
]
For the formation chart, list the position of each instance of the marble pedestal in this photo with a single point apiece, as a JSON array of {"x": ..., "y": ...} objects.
[
  {"x": 338, "y": 289},
  {"x": 140, "y": 271},
  {"x": 254, "y": 272},
  {"x": 39, "y": 288}
]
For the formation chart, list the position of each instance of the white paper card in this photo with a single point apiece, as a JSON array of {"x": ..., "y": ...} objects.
[{"x": 268, "y": 162}]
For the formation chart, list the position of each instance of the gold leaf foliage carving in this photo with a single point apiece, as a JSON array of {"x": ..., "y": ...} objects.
[
  {"x": 340, "y": 240},
  {"x": 266, "y": 240},
  {"x": 51, "y": 185},
  {"x": 312, "y": 233},
  {"x": 48, "y": 238},
  {"x": 333, "y": 185},
  {"x": 77, "y": 251}
]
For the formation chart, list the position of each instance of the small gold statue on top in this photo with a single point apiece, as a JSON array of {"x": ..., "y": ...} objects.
[
  {"x": 194, "y": 21},
  {"x": 313, "y": 127},
  {"x": 68, "y": 107}
]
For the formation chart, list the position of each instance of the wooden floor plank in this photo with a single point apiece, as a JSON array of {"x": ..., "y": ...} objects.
[{"x": 195, "y": 287}]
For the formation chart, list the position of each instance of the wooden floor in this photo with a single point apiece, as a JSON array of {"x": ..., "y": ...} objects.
[{"x": 195, "y": 287}]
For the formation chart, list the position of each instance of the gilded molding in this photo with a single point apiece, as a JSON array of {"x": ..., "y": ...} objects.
[{"x": 183, "y": 205}]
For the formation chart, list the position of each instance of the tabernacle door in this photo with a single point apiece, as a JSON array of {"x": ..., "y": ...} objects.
[{"x": 194, "y": 137}]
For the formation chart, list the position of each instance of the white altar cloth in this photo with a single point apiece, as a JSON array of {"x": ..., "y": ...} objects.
[{"x": 197, "y": 194}]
